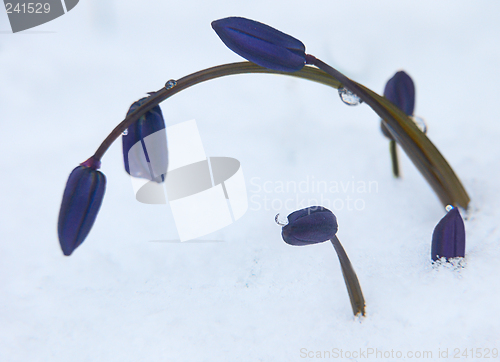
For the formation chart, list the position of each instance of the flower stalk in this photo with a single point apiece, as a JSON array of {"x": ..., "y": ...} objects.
[
  {"x": 314, "y": 225},
  {"x": 308, "y": 73},
  {"x": 414, "y": 142},
  {"x": 350, "y": 278},
  {"x": 393, "y": 151}
]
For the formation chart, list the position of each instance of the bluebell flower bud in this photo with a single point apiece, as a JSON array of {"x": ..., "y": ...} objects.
[
  {"x": 261, "y": 44},
  {"x": 315, "y": 225},
  {"x": 149, "y": 158},
  {"x": 400, "y": 90},
  {"x": 81, "y": 201},
  {"x": 311, "y": 225},
  {"x": 448, "y": 238}
]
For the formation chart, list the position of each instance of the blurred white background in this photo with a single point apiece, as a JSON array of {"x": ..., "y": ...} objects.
[{"x": 122, "y": 297}]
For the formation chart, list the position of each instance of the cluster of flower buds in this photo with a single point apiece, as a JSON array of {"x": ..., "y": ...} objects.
[
  {"x": 279, "y": 52},
  {"x": 270, "y": 48},
  {"x": 85, "y": 188},
  {"x": 448, "y": 239}
]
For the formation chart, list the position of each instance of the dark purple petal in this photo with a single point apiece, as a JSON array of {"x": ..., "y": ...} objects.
[
  {"x": 309, "y": 226},
  {"x": 261, "y": 44},
  {"x": 400, "y": 90},
  {"x": 448, "y": 238},
  {"x": 150, "y": 160},
  {"x": 80, "y": 204}
]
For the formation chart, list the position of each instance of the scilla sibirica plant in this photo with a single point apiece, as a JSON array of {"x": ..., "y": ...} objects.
[
  {"x": 267, "y": 51},
  {"x": 317, "y": 224},
  {"x": 139, "y": 160},
  {"x": 448, "y": 238},
  {"x": 400, "y": 90}
]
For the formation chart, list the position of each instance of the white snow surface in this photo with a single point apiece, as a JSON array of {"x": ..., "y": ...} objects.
[{"x": 128, "y": 295}]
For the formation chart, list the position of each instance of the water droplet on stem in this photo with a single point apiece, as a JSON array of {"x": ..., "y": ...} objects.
[
  {"x": 280, "y": 221},
  {"x": 349, "y": 97},
  {"x": 420, "y": 123},
  {"x": 170, "y": 84},
  {"x": 125, "y": 132}
]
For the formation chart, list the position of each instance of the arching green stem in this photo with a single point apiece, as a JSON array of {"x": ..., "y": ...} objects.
[
  {"x": 419, "y": 148},
  {"x": 308, "y": 73},
  {"x": 424, "y": 155}
]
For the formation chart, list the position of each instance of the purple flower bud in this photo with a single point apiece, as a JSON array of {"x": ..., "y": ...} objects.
[
  {"x": 311, "y": 225},
  {"x": 400, "y": 90},
  {"x": 149, "y": 158},
  {"x": 80, "y": 204},
  {"x": 261, "y": 44},
  {"x": 448, "y": 238}
]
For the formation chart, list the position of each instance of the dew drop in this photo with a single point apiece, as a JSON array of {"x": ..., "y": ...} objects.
[
  {"x": 125, "y": 132},
  {"x": 280, "y": 221},
  {"x": 170, "y": 84},
  {"x": 420, "y": 123},
  {"x": 449, "y": 208},
  {"x": 349, "y": 97}
]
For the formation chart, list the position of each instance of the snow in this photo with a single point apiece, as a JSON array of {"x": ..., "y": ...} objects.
[{"x": 126, "y": 294}]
